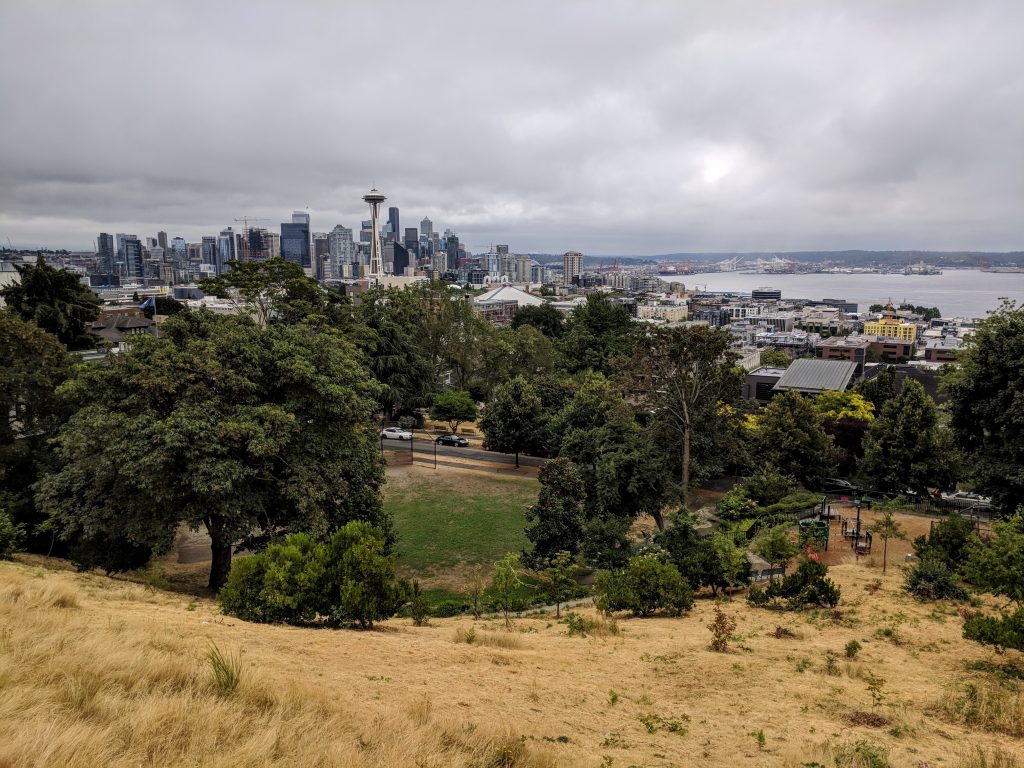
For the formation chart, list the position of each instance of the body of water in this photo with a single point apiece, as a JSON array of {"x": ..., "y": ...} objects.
[{"x": 956, "y": 292}]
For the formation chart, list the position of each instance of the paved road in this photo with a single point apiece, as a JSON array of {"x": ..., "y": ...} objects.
[{"x": 425, "y": 448}]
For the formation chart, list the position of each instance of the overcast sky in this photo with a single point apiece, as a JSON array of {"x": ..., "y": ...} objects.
[{"x": 612, "y": 128}]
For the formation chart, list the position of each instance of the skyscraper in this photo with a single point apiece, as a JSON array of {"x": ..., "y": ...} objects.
[
  {"x": 132, "y": 257},
  {"x": 105, "y": 253},
  {"x": 295, "y": 239},
  {"x": 399, "y": 259},
  {"x": 210, "y": 253},
  {"x": 427, "y": 227},
  {"x": 572, "y": 266},
  {"x": 161, "y": 240},
  {"x": 321, "y": 255},
  {"x": 226, "y": 249},
  {"x": 342, "y": 249},
  {"x": 396, "y": 233}
]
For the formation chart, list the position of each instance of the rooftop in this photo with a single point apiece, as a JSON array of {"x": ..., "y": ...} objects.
[{"x": 813, "y": 376}]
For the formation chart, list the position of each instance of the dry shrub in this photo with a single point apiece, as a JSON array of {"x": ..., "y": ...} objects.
[
  {"x": 985, "y": 703},
  {"x": 491, "y": 639},
  {"x": 782, "y": 632},
  {"x": 867, "y": 719}
]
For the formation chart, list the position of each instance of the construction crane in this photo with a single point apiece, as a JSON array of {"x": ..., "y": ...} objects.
[{"x": 245, "y": 231}]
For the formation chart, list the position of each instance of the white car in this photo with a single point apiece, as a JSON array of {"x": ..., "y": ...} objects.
[{"x": 395, "y": 433}]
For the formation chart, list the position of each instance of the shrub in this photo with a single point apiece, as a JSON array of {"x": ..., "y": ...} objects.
[
  {"x": 226, "y": 668},
  {"x": 737, "y": 505},
  {"x": 767, "y": 485},
  {"x": 852, "y": 649},
  {"x": 448, "y": 608},
  {"x": 948, "y": 541},
  {"x": 808, "y": 585},
  {"x": 862, "y": 754},
  {"x": 577, "y": 625},
  {"x": 344, "y": 580},
  {"x": 932, "y": 580},
  {"x": 644, "y": 586},
  {"x": 419, "y": 609},
  {"x": 722, "y": 627},
  {"x": 10, "y": 536},
  {"x": 1002, "y": 632}
]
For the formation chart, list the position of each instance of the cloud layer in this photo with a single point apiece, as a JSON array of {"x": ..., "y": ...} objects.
[{"x": 626, "y": 128}]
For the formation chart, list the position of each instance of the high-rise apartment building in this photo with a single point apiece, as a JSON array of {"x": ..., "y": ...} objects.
[
  {"x": 210, "y": 253},
  {"x": 523, "y": 265},
  {"x": 105, "y": 253},
  {"x": 342, "y": 249},
  {"x": 572, "y": 266},
  {"x": 321, "y": 256},
  {"x": 133, "y": 258},
  {"x": 295, "y": 240},
  {"x": 226, "y": 248}
]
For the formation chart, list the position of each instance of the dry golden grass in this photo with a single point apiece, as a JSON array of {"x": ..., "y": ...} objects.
[{"x": 95, "y": 672}]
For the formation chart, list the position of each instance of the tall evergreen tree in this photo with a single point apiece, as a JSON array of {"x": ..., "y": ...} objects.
[
  {"x": 555, "y": 522},
  {"x": 513, "y": 421},
  {"x": 791, "y": 438},
  {"x": 906, "y": 447},
  {"x": 54, "y": 299},
  {"x": 595, "y": 333},
  {"x": 986, "y": 405}
]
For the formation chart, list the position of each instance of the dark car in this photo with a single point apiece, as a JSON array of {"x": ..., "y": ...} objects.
[
  {"x": 838, "y": 485},
  {"x": 458, "y": 442}
]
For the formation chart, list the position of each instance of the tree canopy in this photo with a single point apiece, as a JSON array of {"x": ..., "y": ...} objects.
[
  {"x": 54, "y": 299},
  {"x": 513, "y": 420},
  {"x": 453, "y": 406},
  {"x": 986, "y": 406},
  {"x": 544, "y": 317},
  {"x": 906, "y": 447},
  {"x": 244, "y": 430},
  {"x": 790, "y": 436}
]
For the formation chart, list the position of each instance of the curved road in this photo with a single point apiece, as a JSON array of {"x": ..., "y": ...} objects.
[{"x": 424, "y": 448}]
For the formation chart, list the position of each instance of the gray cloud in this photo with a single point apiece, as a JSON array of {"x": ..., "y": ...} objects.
[{"x": 605, "y": 126}]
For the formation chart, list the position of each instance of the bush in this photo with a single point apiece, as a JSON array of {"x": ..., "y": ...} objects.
[
  {"x": 767, "y": 485},
  {"x": 448, "y": 608},
  {"x": 737, "y": 505},
  {"x": 948, "y": 541},
  {"x": 862, "y": 754},
  {"x": 10, "y": 536},
  {"x": 577, "y": 625},
  {"x": 347, "y": 579},
  {"x": 721, "y": 627},
  {"x": 419, "y": 608},
  {"x": 932, "y": 580},
  {"x": 808, "y": 585},
  {"x": 852, "y": 649},
  {"x": 1002, "y": 632},
  {"x": 644, "y": 586}
]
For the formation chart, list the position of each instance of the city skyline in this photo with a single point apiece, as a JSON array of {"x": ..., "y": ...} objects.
[{"x": 610, "y": 130}]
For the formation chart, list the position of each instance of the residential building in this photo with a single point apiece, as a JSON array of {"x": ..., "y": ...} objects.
[
  {"x": 889, "y": 324},
  {"x": 133, "y": 258},
  {"x": 341, "y": 247},
  {"x": 572, "y": 266},
  {"x": 669, "y": 313},
  {"x": 225, "y": 248},
  {"x": 211, "y": 254},
  {"x": 105, "y": 253},
  {"x": 759, "y": 384},
  {"x": 942, "y": 350}
]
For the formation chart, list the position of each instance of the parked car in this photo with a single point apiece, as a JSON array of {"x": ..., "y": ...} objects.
[
  {"x": 456, "y": 440},
  {"x": 838, "y": 485},
  {"x": 395, "y": 433}
]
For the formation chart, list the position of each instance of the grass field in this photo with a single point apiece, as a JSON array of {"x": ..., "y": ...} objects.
[
  {"x": 449, "y": 519},
  {"x": 99, "y": 672}
]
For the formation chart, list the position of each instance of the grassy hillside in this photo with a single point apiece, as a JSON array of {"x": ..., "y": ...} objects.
[{"x": 99, "y": 672}]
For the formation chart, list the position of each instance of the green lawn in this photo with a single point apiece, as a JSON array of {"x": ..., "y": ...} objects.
[{"x": 446, "y": 520}]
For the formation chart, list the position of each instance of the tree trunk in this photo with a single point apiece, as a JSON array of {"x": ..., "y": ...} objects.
[
  {"x": 659, "y": 518},
  {"x": 220, "y": 562},
  {"x": 558, "y": 610},
  {"x": 517, "y": 459},
  {"x": 686, "y": 465}
]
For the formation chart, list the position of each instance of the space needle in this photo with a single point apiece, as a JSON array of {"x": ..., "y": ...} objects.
[{"x": 375, "y": 198}]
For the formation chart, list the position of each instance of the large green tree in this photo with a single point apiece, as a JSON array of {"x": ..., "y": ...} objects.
[
  {"x": 544, "y": 317},
  {"x": 681, "y": 376},
  {"x": 906, "y": 447},
  {"x": 271, "y": 290},
  {"x": 880, "y": 389},
  {"x": 986, "y": 405},
  {"x": 54, "y": 299},
  {"x": 249, "y": 432},
  {"x": 33, "y": 364},
  {"x": 789, "y": 436},
  {"x": 454, "y": 407},
  {"x": 595, "y": 333},
  {"x": 555, "y": 522},
  {"x": 513, "y": 421}
]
